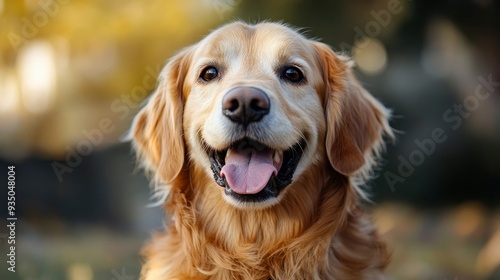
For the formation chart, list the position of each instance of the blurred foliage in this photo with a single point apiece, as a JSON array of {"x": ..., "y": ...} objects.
[{"x": 132, "y": 34}]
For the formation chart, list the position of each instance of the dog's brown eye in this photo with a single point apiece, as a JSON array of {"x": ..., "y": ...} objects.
[
  {"x": 293, "y": 74},
  {"x": 209, "y": 74}
]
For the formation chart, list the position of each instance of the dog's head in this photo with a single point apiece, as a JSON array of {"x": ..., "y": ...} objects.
[{"x": 255, "y": 106}]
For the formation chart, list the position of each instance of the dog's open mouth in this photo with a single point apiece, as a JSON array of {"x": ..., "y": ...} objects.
[{"x": 252, "y": 172}]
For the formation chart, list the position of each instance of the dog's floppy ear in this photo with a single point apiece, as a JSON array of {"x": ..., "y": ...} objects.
[
  {"x": 356, "y": 121},
  {"x": 157, "y": 129}
]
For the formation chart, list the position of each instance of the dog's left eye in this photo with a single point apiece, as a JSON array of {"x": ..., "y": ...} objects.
[
  {"x": 209, "y": 73},
  {"x": 293, "y": 74}
]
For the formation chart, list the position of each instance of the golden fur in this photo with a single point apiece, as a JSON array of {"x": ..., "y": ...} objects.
[{"x": 316, "y": 229}]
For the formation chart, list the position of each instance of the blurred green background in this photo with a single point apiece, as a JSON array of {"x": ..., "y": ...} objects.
[{"x": 73, "y": 73}]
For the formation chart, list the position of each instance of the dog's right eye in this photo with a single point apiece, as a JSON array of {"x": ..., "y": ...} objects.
[
  {"x": 209, "y": 73},
  {"x": 293, "y": 74}
]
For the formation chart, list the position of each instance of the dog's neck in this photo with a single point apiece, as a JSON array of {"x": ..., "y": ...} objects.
[{"x": 294, "y": 237}]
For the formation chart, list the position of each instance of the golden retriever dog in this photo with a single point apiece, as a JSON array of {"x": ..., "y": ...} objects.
[{"x": 262, "y": 139}]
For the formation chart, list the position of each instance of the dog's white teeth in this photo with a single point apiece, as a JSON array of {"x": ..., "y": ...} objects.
[
  {"x": 228, "y": 152},
  {"x": 277, "y": 156}
]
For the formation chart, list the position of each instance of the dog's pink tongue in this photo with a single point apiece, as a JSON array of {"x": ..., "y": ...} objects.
[{"x": 247, "y": 171}]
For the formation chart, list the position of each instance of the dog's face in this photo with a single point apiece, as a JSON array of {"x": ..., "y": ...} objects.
[
  {"x": 255, "y": 107},
  {"x": 251, "y": 114}
]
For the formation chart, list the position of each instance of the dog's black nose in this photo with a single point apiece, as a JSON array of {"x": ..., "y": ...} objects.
[{"x": 245, "y": 105}]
